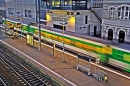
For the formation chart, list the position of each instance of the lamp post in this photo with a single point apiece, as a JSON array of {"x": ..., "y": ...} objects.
[
  {"x": 63, "y": 24},
  {"x": 21, "y": 28},
  {"x": 54, "y": 44},
  {"x": 5, "y": 23},
  {"x": 39, "y": 25},
  {"x": 20, "y": 23}
]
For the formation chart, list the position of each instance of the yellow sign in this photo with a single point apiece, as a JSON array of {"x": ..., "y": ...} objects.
[
  {"x": 30, "y": 39},
  {"x": 59, "y": 19}
]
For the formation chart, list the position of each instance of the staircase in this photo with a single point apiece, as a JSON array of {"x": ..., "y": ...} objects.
[{"x": 97, "y": 15}]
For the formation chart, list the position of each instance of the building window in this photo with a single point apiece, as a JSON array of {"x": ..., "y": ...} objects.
[
  {"x": 112, "y": 10},
  {"x": 10, "y": 11},
  {"x": 86, "y": 19},
  {"x": 78, "y": 13},
  {"x": 123, "y": 12},
  {"x": 28, "y": 13}
]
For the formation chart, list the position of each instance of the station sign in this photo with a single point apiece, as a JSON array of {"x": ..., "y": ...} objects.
[{"x": 59, "y": 19}]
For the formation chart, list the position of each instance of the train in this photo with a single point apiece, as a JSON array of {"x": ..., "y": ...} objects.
[{"x": 107, "y": 54}]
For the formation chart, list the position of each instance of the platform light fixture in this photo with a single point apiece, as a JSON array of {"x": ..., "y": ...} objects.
[{"x": 63, "y": 24}]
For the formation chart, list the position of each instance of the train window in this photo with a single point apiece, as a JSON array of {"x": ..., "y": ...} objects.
[
  {"x": 72, "y": 13},
  {"x": 18, "y": 23},
  {"x": 68, "y": 13}
]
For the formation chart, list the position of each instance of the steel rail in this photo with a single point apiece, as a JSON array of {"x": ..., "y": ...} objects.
[
  {"x": 23, "y": 72},
  {"x": 2, "y": 82},
  {"x": 44, "y": 67},
  {"x": 32, "y": 68}
]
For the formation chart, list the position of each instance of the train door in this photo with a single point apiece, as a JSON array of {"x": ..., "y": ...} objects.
[
  {"x": 110, "y": 34},
  {"x": 121, "y": 36},
  {"x": 95, "y": 30}
]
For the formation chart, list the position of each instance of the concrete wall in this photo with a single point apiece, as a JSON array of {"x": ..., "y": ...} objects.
[
  {"x": 87, "y": 29},
  {"x": 21, "y": 6},
  {"x": 79, "y": 25},
  {"x": 70, "y": 19}
]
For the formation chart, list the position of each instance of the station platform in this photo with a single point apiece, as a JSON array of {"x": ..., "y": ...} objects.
[{"x": 65, "y": 69}]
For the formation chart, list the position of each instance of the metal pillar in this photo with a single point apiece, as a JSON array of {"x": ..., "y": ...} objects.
[
  {"x": 54, "y": 49},
  {"x": 39, "y": 25},
  {"x": 5, "y": 24},
  {"x": 36, "y": 10},
  {"x": 97, "y": 61},
  {"x": 63, "y": 46},
  {"x": 21, "y": 29},
  {"x": 63, "y": 24}
]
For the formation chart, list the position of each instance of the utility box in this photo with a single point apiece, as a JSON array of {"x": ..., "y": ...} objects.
[
  {"x": 30, "y": 39},
  {"x": 101, "y": 76}
]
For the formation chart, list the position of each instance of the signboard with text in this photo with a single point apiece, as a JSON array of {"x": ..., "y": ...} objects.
[{"x": 30, "y": 39}]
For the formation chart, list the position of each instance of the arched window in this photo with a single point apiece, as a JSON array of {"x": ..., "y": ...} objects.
[
  {"x": 123, "y": 12},
  {"x": 112, "y": 9}
]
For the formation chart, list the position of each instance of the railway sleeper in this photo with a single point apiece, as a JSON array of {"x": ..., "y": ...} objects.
[
  {"x": 33, "y": 79},
  {"x": 22, "y": 71},
  {"x": 38, "y": 84},
  {"x": 33, "y": 83},
  {"x": 29, "y": 77},
  {"x": 36, "y": 81},
  {"x": 18, "y": 68},
  {"x": 26, "y": 74}
]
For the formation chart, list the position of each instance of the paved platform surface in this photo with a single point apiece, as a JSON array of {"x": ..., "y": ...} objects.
[{"x": 66, "y": 69}]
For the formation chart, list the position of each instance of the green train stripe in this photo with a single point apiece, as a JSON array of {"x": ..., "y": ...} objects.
[{"x": 117, "y": 54}]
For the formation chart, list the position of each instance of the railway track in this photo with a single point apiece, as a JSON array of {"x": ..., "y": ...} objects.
[
  {"x": 108, "y": 65},
  {"x": 2, "y": 82},
  {"x": 28, "y": 75}
]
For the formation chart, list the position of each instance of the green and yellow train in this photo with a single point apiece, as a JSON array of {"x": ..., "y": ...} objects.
[{"x": 113, "y": 55}]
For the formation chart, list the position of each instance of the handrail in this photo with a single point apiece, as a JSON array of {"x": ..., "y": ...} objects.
[{"x": 96, "y": 14}]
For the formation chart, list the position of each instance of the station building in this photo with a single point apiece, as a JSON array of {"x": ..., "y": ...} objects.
[
  {"x": 81, "y": 16},
  {"x": 25, "y": 9},
  {"x": 116, "y": 20},
  {"x": 2, "y": 10}
]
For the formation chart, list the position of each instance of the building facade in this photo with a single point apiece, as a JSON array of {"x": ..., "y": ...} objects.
[
  {"x": 115, "y": 21},
  {"x": 79, "y": 21},
  {"x": 25, "y": 9},
  {"x": 80, "y": 15},
  {"x": 2, "y": 8}
]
